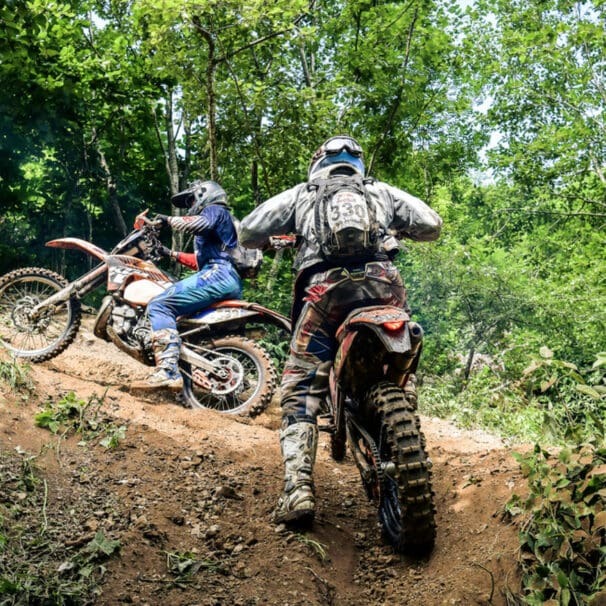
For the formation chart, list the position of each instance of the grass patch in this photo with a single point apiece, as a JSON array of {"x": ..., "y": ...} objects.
[
  {"x": 71, "y": 415},
  {"x": 317, "y": 548},
  {"x": 40, "y": 561},
  {"x": 15, "y": 375}
]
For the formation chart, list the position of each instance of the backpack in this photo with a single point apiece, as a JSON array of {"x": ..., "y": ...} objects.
[
  {"x": 345, "y": 219},
  {"x": 247, "y": 261}
]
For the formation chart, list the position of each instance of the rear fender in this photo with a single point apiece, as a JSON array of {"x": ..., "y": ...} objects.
[
  {"x": 403, "y": 342},
  {"x": 374, "y": 319}
]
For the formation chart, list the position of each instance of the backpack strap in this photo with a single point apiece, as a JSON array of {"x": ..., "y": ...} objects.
[{"x": 319, "y": 185}]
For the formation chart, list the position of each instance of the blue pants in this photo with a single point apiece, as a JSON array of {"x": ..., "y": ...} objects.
[{"x": 214, "y": 282}]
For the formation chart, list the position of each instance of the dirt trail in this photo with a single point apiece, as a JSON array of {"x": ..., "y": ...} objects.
[{"x": 198, "y": 483}]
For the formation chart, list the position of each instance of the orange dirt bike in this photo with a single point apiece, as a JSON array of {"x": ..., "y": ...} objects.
[
  {"x": 223, "y": 368},
  {"x": 371, "y": 407}
]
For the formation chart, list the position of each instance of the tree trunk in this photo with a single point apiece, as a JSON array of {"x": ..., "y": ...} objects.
[
  {"x": 468, "y": 365},
  {"x": 275, "y": 267},
  {"x": 172, "y": 165},
  {"x": 110, "y": 186},
  {"x": 211, "y": 98}
]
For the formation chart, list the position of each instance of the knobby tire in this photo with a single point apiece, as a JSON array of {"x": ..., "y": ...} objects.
[
  {"x": 21, "y": 290},
  {"x": 406, "y": 507}
]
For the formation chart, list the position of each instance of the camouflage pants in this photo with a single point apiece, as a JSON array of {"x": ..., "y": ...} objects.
[{"x": 329, "y": 297}]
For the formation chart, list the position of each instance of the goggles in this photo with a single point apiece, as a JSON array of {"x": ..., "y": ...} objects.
[
  {"x": 340, "y": 158},
  {"x": 338, "y": 144}
]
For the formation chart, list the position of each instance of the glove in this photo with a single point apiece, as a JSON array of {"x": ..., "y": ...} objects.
[
  {"x": 161, "y": 219},
  {"x": 164, "y": 251}
]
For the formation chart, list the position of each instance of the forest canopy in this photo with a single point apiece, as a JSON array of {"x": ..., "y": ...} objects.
[{"x": 491, "y": 111}]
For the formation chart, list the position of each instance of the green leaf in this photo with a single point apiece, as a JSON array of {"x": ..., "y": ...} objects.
[
  {"x": 589, "y": 391},
  {"x": 100, "y": 544},
  {"x": 8, "y": 587}
]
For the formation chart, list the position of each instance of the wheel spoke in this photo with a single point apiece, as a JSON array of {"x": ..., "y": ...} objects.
[
  {"x": 249, "y": 385},
  {"x": 44, "y": 334}
]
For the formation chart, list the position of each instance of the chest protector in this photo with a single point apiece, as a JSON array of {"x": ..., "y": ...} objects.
[{"x": 345, "y": 219}]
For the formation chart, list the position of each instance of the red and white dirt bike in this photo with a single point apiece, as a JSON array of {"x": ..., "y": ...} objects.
[
  {"x": 223, "y": 368},
  {"x": 370, "y": 407}
]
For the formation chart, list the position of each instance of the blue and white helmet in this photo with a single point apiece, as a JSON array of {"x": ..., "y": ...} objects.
[{"x": 340, "y": 155}]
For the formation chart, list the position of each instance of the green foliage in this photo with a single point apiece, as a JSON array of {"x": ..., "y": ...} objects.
[
  {"x": 184, "y": 566},
  {"x": 36, "y": 565},
  {"x": 16, "y": 375},
  {"x": 114, "y": 435},
  {"x": 67, "y": 413},
  {"x": 73, "y": 415},
  {"x": 541, "y": 65},
  {"x": 551, "y": 400},
  {"x": 574, "y": 405},
  {"x": 562, "y": 554},
  {"x": 274, "y": 285}
]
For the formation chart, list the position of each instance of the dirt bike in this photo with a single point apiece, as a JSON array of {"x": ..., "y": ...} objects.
[
  {"x": 371, "y": 407},
  {"x": 223, "y": 368}
]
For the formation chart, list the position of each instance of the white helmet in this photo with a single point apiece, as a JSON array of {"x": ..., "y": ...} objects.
[{"x": 340, "y": 155}]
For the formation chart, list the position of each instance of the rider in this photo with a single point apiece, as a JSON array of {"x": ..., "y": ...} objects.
[
  {"x": 325, "y": 293},
  {"x": 216, "y": 279}
]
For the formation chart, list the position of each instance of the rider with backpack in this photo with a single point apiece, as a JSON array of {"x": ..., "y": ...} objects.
[{"x": 347, "y": 229}]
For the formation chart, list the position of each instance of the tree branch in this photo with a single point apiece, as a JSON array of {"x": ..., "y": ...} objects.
[
  {"x": 547, "y": 212},
  {"x": 398, "y": 99}
]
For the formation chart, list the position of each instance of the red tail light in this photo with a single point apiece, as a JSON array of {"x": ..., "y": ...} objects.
[{"x": 393, "y": 326}]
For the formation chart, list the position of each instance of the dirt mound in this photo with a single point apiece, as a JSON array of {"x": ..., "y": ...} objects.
[{"x": 189, "y": 495}]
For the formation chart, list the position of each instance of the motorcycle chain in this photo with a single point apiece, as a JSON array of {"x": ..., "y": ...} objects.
[{"x": 370, "y": 443}]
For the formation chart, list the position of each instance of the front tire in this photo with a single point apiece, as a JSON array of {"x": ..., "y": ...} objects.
[
  {"x": 406, "y": 507},
  {"x": 253, "y": 394},
  {"x": 45, "y": 335}
]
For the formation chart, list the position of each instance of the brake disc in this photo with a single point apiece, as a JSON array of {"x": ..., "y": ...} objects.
[{"x": 227, "y": 376}]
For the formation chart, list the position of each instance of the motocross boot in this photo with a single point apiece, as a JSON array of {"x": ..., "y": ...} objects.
[
  {"x": 166, "y": 345},
  {"x": 299, "y": 443}
]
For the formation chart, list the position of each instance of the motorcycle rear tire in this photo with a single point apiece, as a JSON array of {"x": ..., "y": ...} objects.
[
  {"x": 260, "y": 380},
  {"x": 48, "y": 335},
  {"x": 406, "y": 505}
]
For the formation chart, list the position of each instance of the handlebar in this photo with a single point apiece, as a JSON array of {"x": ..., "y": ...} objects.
[
  {"x": 149, "y": 232},
  {"x": 142, "y": 220},
  {"x": 279, "y": 242}
]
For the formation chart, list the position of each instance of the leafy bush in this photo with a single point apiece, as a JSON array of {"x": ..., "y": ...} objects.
[
  {"x": 73, "y": 415},
  {"x": 549, "y": 401},
  {"x": 573, "y": 402},
  {"x": 562, "y": 553}
]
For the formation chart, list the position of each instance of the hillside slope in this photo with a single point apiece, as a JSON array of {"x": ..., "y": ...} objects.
[{"x": 193, "y": 486}]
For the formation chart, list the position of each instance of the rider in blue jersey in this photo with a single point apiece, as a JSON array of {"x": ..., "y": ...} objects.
[{"x": 212, "y": 225}]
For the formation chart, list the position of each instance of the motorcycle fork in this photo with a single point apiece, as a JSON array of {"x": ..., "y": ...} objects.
[{"x": 80, "y": 287}]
